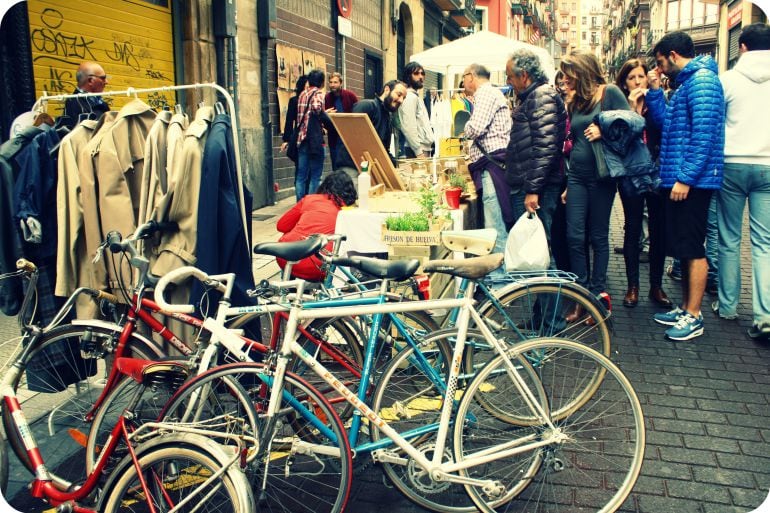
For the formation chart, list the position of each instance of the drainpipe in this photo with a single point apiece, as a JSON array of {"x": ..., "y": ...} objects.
[{"x": 266, "y": 30}]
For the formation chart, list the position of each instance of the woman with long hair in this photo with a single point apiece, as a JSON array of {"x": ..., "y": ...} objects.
[
  {"x": 632, "y": 80},
  {"x": 588, "y": 197},
  {"x": 316, "y": 213}
]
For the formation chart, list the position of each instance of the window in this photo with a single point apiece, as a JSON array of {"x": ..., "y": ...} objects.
[
  {"x": 574, "y": 7},
  {"x": 574, "y": 20},
  {"x": 593, "y": 21},
  {"x": 583, "y": 36},
  {"x": 482, "y": 15},
  {"x": 583, "y": 20},
  {"x": 574, "y": 35}
]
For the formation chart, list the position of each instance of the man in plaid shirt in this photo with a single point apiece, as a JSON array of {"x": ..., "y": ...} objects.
[
  {"x": 310, "y": 137},
  {"x": 489, "y": 127}
]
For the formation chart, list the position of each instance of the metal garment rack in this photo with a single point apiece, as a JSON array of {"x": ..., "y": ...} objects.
[{"x": 135, "y": 92}]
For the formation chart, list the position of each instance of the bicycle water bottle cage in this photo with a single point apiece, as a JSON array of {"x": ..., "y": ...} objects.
[{"x": 290, "y": 251}]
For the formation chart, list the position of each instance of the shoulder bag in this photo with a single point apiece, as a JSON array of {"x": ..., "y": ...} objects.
[{"x": 602, "y": 171}]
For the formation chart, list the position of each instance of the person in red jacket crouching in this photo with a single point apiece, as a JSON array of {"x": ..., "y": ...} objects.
[{"x": 316, "y": 213}]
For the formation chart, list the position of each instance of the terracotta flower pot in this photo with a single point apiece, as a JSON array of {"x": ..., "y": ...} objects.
[{"x": 453, "y": 197}]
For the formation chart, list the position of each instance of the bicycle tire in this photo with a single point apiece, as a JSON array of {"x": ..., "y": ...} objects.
[
  {"x": 68, "y": 429},
  {"x": 324, "y": 491},
  {"x": 172, "y": 469},
  {"x": 407, "y": 398},
  {"x": 602, "y": 441},
  {"x": 523, "y": 306},
  {"x": 3, "y": 467}
]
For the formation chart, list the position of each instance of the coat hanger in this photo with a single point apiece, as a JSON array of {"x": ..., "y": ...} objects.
[
  {"x": 178, "y": 109},
  {"x": 219, "y": 108}
]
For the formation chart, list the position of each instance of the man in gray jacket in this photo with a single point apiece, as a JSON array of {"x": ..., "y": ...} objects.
[
  {"x": 413, "y": 121},
  {"x": 746, "y": 176}
]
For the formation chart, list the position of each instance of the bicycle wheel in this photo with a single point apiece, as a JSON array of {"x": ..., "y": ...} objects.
[
  {"x": 409, "y": 396},
  {"x": 56, "y": 409},
  {"x": 538, "y": 310},
  {"x": 218, "y": 405},
  {"x": 305, "y": 464},
  {"x": 173, "y": 472},
  {"x": 336, "y": 346},
  {"x": 592, "y": 467}
]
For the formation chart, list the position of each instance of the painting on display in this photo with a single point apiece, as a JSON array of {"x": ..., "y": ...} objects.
[
  {"x": 282, "y": 65},
  {"x": 283, "y": 104}
]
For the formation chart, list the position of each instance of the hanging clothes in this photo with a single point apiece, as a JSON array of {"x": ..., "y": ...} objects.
[
  {"x": 155, "y": 149},
  {"x": 73, "y": 269},
  {"x": 181, "y": 201},
  {"x": 111, "y": 168},
  {"x": 219, "y": 215}
]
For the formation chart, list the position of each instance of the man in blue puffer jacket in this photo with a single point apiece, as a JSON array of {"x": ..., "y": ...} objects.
[{"x": 691, "y": 161}]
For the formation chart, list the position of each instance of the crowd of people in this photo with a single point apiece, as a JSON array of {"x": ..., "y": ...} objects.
[{"x": 683, "y": 147}]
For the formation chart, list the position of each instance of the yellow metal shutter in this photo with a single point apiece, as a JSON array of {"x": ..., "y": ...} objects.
[{"x": 131, "y": 39}]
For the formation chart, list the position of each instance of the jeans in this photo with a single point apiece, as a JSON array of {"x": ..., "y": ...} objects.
[
  {"x": 633, "y": 210},
  {"x": 742, "y": 182},
  {"x": 493, "y": 218},
  {"x": 309, "y": 169},
  {"x": 712, "y": 242},
  {"x": 549, "y": 199},
  {"x": 589, "y": 205}
]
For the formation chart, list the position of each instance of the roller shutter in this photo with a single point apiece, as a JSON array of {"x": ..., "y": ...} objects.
[{"x": 131, "y": 39}]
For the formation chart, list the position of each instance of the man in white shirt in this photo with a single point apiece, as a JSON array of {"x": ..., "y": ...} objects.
[{"x": 746, "y": 176}]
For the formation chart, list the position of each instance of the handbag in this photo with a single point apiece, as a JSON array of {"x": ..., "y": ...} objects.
[
  {"x": 602, "y": 171},
  {"x": 291, "y": 149}
]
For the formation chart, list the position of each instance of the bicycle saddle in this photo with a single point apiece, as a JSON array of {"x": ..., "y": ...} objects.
[
  {"x": 475, "y": 242},
  {"x": 139, "y": 370},
  {"x": 290, "y": 251},
  {"x": 470, "y": 268},
  {"x": 390, "y": 269}
]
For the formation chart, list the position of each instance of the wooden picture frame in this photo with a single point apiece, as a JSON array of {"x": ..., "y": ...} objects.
[{"x": 363, "y": 143}]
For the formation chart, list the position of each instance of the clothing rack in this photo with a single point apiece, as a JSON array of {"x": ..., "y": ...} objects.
[{"x": 38, "y": 105}]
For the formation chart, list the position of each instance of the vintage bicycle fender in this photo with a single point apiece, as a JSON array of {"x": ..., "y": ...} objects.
[
  {"x": 575, "y": 287},
  {"x": 118, "y": 329},
  {"x": 173, "y": 440}
]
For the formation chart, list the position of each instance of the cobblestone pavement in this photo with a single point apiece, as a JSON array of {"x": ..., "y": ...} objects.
[{"x": 705, "y": 402}]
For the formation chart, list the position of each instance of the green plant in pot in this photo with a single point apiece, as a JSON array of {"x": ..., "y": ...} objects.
[
  {"x": 455, "y": 187},
  {"x": 421, "y": 221}
]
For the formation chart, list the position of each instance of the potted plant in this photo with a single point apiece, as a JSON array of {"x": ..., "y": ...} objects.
[{"x": 455, "y": 187}]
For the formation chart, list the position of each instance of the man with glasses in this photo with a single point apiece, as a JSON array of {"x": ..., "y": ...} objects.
[
  {"x": 489, "y": 127},
  {"x": 91, "y": 78},
  {"x": 413, "y": 122}
]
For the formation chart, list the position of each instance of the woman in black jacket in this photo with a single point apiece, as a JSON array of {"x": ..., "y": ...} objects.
[
  {"x": 632, "y": 80},
  {"x": 289, "y": 137}
]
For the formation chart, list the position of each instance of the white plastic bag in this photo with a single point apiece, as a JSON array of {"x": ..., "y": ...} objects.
[{"x": 527, "y": 247}]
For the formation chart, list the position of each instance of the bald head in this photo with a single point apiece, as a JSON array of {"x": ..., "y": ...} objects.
[{"x": 91, "y": 77}]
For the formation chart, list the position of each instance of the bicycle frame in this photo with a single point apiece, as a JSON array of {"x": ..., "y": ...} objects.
[{"x": 438, "y": 470}]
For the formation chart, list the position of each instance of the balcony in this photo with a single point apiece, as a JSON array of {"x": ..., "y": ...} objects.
[
  {"x": 527, "y": 20},
  {"x": 448, "y": 5},
  {"x": 564, "y": 27},
  {"x": 465, "y": 16},
  {"x": 564, "y": 43},
  {"x": 517, "y": 9}
]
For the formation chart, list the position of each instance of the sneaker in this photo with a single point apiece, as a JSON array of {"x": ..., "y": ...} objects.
[
  {"x": 668, "y": 318},
  {"x": 686, "y": 328},
  {"x": 760, "y": 331},
  {"x": 676, "y": 276},
  {"x": 715, "y": 309}
]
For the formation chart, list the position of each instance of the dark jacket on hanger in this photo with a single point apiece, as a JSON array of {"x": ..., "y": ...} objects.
[
  {"x": 92, "y": 106},
  {"x": 219, "y": 215},
  {"x": 11, "y": 292},
  {"x": 35, "y": 191}
]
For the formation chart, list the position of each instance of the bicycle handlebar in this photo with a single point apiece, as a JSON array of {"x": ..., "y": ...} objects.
[{"x": 178, "y": 275}]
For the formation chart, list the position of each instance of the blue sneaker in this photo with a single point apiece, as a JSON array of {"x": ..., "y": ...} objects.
[
  {"x": 686, "y": 328},
  {"x": 669, "y": 318}
]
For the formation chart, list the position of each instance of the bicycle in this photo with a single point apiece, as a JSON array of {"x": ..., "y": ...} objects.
[
  {"x": 166, "y": 465},
  {"x": 526, "y": 396}
]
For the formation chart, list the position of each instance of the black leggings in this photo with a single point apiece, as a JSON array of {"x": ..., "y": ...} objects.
[
  {"x": 589, "y": 205},
  {"x": 633, "y": 210}
]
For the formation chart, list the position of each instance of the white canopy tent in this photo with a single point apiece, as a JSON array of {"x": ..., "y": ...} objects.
[{"x": 484, "y": 47}]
